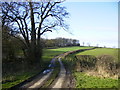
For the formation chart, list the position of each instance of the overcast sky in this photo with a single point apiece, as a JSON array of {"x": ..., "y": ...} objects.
[{"x": 91, "y": 22}]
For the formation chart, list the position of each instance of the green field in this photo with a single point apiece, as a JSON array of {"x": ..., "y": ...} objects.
[
  {"x": 85, "y": 81},
  {"x": 101, "y": 51},
  {"x": 13, "y": 78},
  {"x": 48, "y": 54},
  {"x": 65, "y": 49}
]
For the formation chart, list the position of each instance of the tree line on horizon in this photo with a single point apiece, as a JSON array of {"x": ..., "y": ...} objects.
[{"x": 59, "y": 42}]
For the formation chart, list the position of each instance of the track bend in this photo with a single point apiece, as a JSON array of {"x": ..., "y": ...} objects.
[{"x": 60, "y": 81}]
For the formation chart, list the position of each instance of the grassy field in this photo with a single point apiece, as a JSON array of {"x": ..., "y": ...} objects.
[
  {"x": 85, "y": 81},
  {"x": 101, "y": 51},
  {"x": 65, "y": 49},
  {"x": 48, "y": 54},
  {"x": 13, "y": 78}
]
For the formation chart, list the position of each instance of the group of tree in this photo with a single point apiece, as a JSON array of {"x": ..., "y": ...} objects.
[
  {"x": 31, "y": 20},
  {"x": 60, "y": 42},
  {"x": 11, "y": 45}
]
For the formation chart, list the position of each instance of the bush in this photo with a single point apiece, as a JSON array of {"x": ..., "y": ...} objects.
[
  {"x": 107, "y": 64},
  {"x": 85, "y": 62}
]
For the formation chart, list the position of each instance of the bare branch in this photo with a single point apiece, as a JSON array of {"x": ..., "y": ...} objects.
[{"x": 45, "y": 31}]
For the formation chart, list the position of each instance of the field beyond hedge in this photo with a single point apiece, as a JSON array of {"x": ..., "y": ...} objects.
[{"x": 101, "y": 51}]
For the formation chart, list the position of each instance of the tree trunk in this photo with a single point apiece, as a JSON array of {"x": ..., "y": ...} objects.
[
  {"x": 35, "y": 47},
  {"x": 32, "y": 51},
  {"x": 39, "y": 51}
]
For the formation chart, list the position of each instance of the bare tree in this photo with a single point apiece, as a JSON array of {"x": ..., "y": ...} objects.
[
  {"x": 88, "y": 44},
  {"x": 33, "y": 19},
  {"x": 83, "y": 43}
]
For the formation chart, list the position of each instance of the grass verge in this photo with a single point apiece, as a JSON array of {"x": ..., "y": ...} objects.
[{"x": 85, "y": 81}]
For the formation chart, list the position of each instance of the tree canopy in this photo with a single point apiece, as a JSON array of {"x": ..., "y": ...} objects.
[{"x": 33, "y": 19}]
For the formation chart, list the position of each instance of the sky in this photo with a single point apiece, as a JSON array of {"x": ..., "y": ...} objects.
[{"x": 95, "y": 23}]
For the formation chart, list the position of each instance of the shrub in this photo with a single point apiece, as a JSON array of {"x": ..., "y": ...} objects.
[
  {"x": 85, "y": 62},
  {"x": 107, "y": 64}
]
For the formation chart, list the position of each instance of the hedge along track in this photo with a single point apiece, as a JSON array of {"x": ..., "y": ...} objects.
[{"x": 41, "y": 79}]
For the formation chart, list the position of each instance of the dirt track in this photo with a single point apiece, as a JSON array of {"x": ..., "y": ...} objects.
[
  {"x": 61, "y": 76},
  {"x": 64, "y": 79},
  {"x": 40, "y": 80}
]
